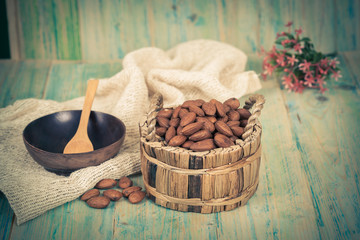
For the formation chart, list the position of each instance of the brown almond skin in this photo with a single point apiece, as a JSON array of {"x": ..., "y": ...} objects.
[
  {"x": 222, "y": 141},
  {"x": 90, "y": 194},
  {"x": 223, "y": 119},
  {"x": 233, "y": 138},
  {"x": 233, "y": 123},
  {"x": 188, "y": 103},
  {"x": 212, "y": 119},
  {"x": 209, "y": 108},
  {"x": 160, "y": 131},
  {"x": 187, "y": 119},
  {"x": 192, "y": 128},
  {"x": 170, "y": 133},
  {"x": 113, "y": 194},
  {"x": 244, "y": 113},
  {"x": 187, "y": 144},
  {"x": 233, "y": 103},
  {"x": 243, "y": 122},
  {"x": 106, "y": 183},
  {"x": 200, "y": 101},
  {"x": 226, "y": 108},
  {"x": 125, "y": 182},
  {"x": 136, "y": 197},
  {"x": 166, "y": 113},
  {"x": 207, "y": 124},
  {"x": 127, "y": 191},
  {"x": 174, "y": 122},
  {"x": 183, "y": 112},
  {"x": 98, "y": 202},
  {"x": 176, "y": 111},
  {"x": 220, "y": 109},
  {"x": 237, "y": 131},
  {"x": 221, "y": 127},
  {"x": 177, "y": 140},
  {"x": 204, "y": 145},
  {"x": 233, "y": 115},
  {"x": 198, "y": 111},
  {"x": 163, "y": 122},
  {"x": 200, "y": 135},
  {"x": 179, "y": 130}
]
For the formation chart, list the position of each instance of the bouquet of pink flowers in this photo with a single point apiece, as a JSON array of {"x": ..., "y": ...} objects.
[{"x": 298, "y": 63}]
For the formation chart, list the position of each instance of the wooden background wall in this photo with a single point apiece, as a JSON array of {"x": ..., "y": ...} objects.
[{"x": 109, "y": 29}]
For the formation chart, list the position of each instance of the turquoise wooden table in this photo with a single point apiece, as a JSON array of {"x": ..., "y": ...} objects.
[{"x": 309, "y": 175}]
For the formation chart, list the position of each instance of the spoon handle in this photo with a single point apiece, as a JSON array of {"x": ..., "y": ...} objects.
[{"x": 89, "y": 98}]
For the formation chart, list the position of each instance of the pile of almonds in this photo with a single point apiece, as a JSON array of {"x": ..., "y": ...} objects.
[
  {"x": 94, "y": 200},
  {"x": 202, "y": 126}
]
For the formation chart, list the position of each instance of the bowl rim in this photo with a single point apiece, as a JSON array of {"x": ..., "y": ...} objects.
[{"x": 75, "y": 154}]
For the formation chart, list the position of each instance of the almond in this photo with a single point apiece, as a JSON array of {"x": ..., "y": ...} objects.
[
  {"x": 212, "y": 119},
  {"x": 233, "y": 138},
  {"x": 136, "y": 197},
  {"x": 170, "y": 133},
  {"x": 163, "y": 122},
  {"x": 125, "y": 182},
  {"x": 112, "y": 194},
  {"x": 221, "y": 127},
  {"x": 233, "y": 115},
  {"x": 174, "y": 122},
  {"x": 207, "y": 124},
  {"x": 192, "y": 128},
  {"x": 177, "y": 140},
  {"x": 204, "y": 145},
  {"x": 222, "y": 141},
  {"x": 243, "y": 123},
  {"x": 200, "y": 102},
  {"x": 127, "y": 191},
  {"x": 196, "y": 110},
  {"x": 183, "y": 112},
  {"x": 98, "y": 202},
  {"x": 223, "y": 119},
  {"x": 233, "y": 123},
  {"x": 220, "y": 109},
  {"x": 188, "y": 103},
  {"x": 166, "y": 113},
  {"x": 179, "y": 130},
  {"x": 90, "y": 194},
  {"x": 237, "y": 131},
  {"x": 200, "y": 135},
  {"x": 187, "y": 144},
  {"x": 160, "y": 131},
  {"x": 188, "y": 118},
  {"x": 226, "y": 108},
  {"x": 233, "y": 103},
  {"x": 176, "y": 111},
  {"x": 244, "y": 113},
  {"x": 106, "y": 183},
  {"x": 209, "y": 108}
]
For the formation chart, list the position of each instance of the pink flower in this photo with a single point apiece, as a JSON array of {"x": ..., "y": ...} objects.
[
  {"x": 282, "y": 34},
  {"x": 292, "y": 60},
  {"x": 298, "y": 47},
  {"x": 298, "y": 31},
  {"x": 337, "y": 75},
  {"x": 269, "y": 69},
  {"x": 324, "y": 62},
  {"x": 280, "y": 60},
  {"x": 334, "y": 62},
  {"x": 289, "y": 24},
  {"x": 321, "y": 83},
  {"x": 286, "y": 41},
  {"x": 287, "y": 81},
  {"x": 305, "y": 66},
  {"x": 309, "y": 78}
]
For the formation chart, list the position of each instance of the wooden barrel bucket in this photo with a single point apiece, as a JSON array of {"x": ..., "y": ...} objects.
[{"x": 217, "y": 180}]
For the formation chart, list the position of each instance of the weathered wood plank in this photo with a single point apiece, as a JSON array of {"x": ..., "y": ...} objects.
[
  {"x": 327, "y": 134},
  {"x": 347, "y": 25},
  {"x": 352, "y": 60},
  {"x": 24, "y": 79},
  {"x": 6, "y": 217},
  {"x": 48, "y": 29}
]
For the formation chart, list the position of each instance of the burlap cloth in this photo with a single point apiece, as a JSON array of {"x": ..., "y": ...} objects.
[{"x": 196, "y": 69}]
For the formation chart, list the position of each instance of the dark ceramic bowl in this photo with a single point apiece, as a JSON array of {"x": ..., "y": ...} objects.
[{"x": 45, "y": 138}]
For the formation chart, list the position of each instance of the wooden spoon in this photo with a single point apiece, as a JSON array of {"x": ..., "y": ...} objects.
[{"x": 81, "y": 143}]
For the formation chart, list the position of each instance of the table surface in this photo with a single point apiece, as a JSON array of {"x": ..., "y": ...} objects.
[{"x": 309, "y": 175}]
